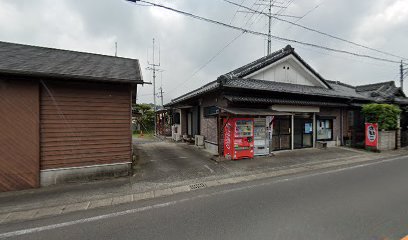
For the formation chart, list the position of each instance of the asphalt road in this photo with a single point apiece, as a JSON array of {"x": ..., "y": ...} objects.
[{"x": 366, "y": 202}]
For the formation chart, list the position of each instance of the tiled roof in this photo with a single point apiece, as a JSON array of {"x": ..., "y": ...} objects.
[
  {"x": 381, "y": 92},
  {"x": 204, "y": 89},
  {"x": 374, "y": 86},
  {"x": 260, "y": 63},
  {"x": 255, "y": 84},
  {"x": 266, "y": 100},
  {"x": 267, "y": 60},
  {"x": 48, "y": 62}
]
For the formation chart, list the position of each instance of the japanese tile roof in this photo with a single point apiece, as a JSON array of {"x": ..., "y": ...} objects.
[
  {"x": 382, "y": 92},
  {"x": 378, "y": 92},
  {"x": 18, "y": 59},
  {"x": 204, "y": 89},
  {"x": 269, "y": 100},
  {"x": 267, "y": 60},
  {"x": 255, "y": 84}
]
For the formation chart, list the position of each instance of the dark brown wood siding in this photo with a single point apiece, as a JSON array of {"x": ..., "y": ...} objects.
[
  {"x": 85, "y": 124},
  {"x": 19, "y": 135}
]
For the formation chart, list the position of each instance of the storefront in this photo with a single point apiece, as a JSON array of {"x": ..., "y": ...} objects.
[
  {"x": 272, "y": 130},
  {"x": 287, "y": 103}
]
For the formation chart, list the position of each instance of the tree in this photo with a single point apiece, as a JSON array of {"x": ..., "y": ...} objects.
[
  {"x": 386, "y": 115},
  {"x": 144, "y": 114}
]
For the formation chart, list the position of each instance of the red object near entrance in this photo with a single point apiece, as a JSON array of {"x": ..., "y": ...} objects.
[
  {"x": 371, "y": 134},
  {"x": 238, "y": 138}
]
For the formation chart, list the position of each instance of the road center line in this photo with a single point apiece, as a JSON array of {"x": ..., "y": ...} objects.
[{"x": 161, "y": 205}]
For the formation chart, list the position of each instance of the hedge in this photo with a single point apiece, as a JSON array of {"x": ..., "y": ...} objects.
[{"x": 386, "y": 115}]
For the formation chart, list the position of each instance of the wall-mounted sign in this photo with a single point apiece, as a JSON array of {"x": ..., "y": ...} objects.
[{"x": 371, "y": 134}]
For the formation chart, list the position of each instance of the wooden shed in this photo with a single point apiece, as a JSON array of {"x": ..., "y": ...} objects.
[{"x": 64, "y": 115}]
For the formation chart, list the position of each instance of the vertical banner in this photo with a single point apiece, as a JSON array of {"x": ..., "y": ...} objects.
[
  {"x": 371, "y": 134},
  {"x": 228, "y": 132}
]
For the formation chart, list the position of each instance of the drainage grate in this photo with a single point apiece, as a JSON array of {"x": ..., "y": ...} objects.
[{"x": 197, "y": 186}]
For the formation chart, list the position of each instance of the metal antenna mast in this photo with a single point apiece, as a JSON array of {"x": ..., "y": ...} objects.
[
  {"x": 269, "y": 27},
  {"x": 153, "y": 67},
  {"x": 161, "y": 97}
]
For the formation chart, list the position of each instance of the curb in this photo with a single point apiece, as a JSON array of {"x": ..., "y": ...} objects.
[{"x": 38, "y": 213}]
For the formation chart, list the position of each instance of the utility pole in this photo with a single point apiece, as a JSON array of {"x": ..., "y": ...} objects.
[
  {"x": 153, "y": 67},
  {"x": 116, "y": 49}
]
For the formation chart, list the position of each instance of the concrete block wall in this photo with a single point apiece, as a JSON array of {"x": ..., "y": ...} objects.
[{"x": 386, "y": 140}]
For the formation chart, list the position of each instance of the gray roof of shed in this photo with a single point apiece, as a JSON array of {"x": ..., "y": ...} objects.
[{"x": 18, "y": 59}]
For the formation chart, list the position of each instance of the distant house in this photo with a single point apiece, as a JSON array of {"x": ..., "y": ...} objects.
[
  {"x": 65, "y": 115},
  {"x": 290, "y": 105}
]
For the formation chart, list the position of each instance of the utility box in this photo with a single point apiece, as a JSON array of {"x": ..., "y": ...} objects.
[{"x": 199, "y": 140}]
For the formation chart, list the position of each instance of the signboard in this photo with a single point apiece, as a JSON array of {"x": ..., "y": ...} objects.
[{"x": 371, "y": 134}]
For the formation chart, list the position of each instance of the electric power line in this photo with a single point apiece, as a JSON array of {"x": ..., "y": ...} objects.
[
  {"x": 235, "y": 14},
  {"x": 317, "y": 31},
  {"x": 220, "y": 51},
  {"x": 208, "y": 62},
  {"x": 264, "y": 34}
]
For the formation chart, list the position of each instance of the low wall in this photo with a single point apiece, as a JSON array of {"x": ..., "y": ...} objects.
[
  {"x": 79, "y": 174},
  {"x": 386, "y": 140},
  {"x": 211, "y": 147}
]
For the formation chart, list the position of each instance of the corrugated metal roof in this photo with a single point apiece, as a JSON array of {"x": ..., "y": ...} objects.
[{"x": 18, "y": 59}]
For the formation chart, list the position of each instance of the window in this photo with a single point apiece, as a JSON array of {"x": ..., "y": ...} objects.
[
  {"x": 210, "y": 111},
  {"x": 325, "y": 129},
  {"x": 176, "y": 118}
]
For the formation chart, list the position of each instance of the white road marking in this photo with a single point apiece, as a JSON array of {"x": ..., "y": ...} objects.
[
  {"x": 182, "y": 157},
  {"x": 161, "y": 205},
  {"x": 209, "y": 168}
]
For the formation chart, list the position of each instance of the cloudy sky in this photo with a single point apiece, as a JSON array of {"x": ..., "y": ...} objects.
[{"x": 187, "y": 45}]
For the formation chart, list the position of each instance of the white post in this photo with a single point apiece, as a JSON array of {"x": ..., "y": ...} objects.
[
  {"x": 314, "y": 130},
  {"x": 292, "y": 132}
]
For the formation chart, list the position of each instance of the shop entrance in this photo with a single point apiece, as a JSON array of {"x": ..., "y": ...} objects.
[
  {"x": 303, "y": 132},
  {"x": 281, "y": 133}
]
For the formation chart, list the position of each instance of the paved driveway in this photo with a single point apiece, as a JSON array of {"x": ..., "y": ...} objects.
[
  {"x": 168, "y": 162},
  {"x": 159, "y": 161}
]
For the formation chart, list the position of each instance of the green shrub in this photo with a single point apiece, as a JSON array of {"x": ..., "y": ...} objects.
[{"x": 386, "y": 115}]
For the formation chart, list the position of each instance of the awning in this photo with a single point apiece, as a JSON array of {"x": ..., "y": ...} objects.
[{"x": 253, "y": 111}]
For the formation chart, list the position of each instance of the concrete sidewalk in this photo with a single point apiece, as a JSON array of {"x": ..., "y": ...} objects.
[{"x": 38, "y": 203}]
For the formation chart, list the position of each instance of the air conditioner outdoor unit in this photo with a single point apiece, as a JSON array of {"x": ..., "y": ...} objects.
[{"x": 199, "y": 140}]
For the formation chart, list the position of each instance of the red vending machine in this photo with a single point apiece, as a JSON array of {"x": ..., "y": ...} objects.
[{"x": 238, "y": 138}]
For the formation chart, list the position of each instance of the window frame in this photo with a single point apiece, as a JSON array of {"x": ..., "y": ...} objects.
[{"x": 331, "y": 129}]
